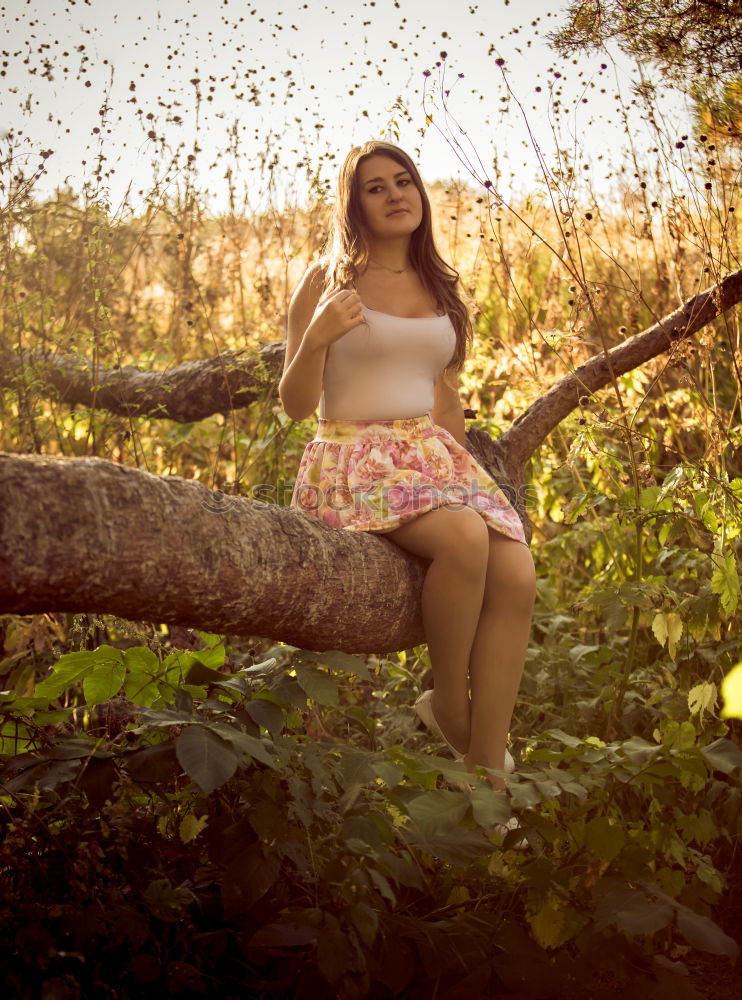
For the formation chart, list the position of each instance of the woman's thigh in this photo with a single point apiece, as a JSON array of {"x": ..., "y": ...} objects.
[{"x": 460, "y": 533}]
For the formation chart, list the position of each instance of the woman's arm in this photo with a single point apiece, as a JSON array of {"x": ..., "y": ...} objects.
[
  {"x": 314, "y": 325},
  {"x": 447, "y": 410},
  {"x": 301, "y": 383}
]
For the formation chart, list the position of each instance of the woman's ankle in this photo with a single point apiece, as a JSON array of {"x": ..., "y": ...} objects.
[{"x": 455, "y": 724}]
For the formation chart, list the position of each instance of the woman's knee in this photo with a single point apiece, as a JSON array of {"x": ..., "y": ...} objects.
[
  {"x": 466, "y": 542},
  {"x": 459, "y": 537},
  {"x": 511, "y": 577}
]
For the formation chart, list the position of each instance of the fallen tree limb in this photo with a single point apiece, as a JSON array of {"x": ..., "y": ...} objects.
[{"x": 86, "y": 534}]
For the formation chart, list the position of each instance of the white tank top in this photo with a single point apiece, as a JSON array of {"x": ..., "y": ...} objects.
[{"x": 384, "y": 368}]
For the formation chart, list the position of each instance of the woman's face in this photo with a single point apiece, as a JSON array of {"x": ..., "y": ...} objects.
[{"x": 390, "y": 201}]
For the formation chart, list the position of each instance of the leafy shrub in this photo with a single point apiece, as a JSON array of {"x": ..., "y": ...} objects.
[{"x": 256, "y": 828}]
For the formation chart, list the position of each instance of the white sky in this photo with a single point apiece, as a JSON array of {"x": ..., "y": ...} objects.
[{"x": 342, "y": 66}]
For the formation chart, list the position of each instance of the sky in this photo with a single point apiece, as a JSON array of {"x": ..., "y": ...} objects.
[{"x": 246, "y": 86}]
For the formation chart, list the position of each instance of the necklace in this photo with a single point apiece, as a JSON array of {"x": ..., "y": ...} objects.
[{"x": 384, "y": 267}]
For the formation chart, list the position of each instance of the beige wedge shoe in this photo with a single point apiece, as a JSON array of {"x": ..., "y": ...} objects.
[{"x": 424, "y": 710}]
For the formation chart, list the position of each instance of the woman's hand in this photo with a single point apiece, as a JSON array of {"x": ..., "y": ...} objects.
[{"x": 334, "y": 316}]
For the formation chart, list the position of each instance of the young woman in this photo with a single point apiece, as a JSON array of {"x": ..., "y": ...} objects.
[{"x": 377, "y": 334}]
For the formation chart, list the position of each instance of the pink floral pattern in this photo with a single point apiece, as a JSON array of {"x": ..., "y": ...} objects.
[{"x": 373, "y": 475}]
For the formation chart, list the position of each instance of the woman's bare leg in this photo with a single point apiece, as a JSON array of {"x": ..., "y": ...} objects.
[
  {"x": 499, "y": 650},
  {"x": 457, "y": 543}
]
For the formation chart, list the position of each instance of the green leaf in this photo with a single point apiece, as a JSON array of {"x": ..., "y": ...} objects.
[
  {"x": 382, "y": 884},
  {"x": 162, "y": 718},
  {"x": 648, "y": 497},
  {"x": 251, "y": 746},
  {"x": 566, "y": 738},
  {"x": 317, "y": 685},
  {"x": 141, "y": 689},
  {"x": 555, "y": 923},
  {"x": 266, "y": 714},
  {"x": 366, "y": 922},
  {"x": 355, "y": 767},
  {"x": 198, "y": 673},
  {"x": 213, "y": 658},
  {"x": 141, "y": 659},
  {"x": 205, "y": 757},
  {"x": 698, "y": 827},
  {"x": 603, "y": 839},
  {"x": 290, "y": 934},
  {"x": 678, "y": 736},
  {"x": 155, "y": 764},
  {"x": 704, "y": 934},
  {"x": 76, "y": 747},
  {"x": 335, "y": 953},
  {"x": 725, "y": 581},
  {"x": 438, "y": 810},
  {"x": 668, "y": 628},
  {"x": 210, "y": 638},
  {"x": 176, "y": 665},
  {"x": 490, "y": 807},
  {"x": 345, "y": 662},
  {"x": 702, "y": 699},
  {"x": 166, "y": 902},
  {"x": 731, "y": 691},
  {"x": 389, "y": 773},
  {"x": 247, "y": 879},
  {"x": 629, "y": 909},
  {"x": 457, "y": 847},
  {"x": 103, "y": 682},
  {"x": 525, "y": 793},
  {"x": 268, "y": 821},
  {"x": 723, "y": 755},
  {"x": 69, "y": 669},
  {"x": 191, "y": 826}
]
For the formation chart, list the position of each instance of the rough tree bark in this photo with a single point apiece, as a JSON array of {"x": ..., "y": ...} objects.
[
  {"x": 91, "y": 535},
  {"x": 82, "y": 534},
  {"x": 187, "y": 392}
]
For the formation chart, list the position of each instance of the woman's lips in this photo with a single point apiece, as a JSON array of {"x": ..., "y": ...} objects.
[{"x": 398, "y": 211}]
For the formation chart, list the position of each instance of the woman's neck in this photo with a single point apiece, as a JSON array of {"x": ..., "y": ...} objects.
[{"x": 390, "y": 255}]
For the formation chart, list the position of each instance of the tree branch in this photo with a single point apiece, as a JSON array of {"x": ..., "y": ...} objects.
[
  {"x": 530, "y": 429},
  {"x": 86, "y": 534},
  {"x": 187, "y": 392}
]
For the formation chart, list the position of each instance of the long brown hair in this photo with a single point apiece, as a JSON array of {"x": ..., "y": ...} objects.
[{"x": 348, "y": 252}]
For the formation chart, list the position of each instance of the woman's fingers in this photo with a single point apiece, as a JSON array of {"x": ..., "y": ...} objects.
[
  {"x": 345, "y": 297},
  {"x": 338, "y": 313},
  {"x": 350, "y": 301}
]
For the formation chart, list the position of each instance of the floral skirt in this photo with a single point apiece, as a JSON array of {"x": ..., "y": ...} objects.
[{"x": 374, "y": 475}]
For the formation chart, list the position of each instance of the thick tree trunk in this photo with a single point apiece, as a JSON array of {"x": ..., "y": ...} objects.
[{"x": 86, "y": 534}]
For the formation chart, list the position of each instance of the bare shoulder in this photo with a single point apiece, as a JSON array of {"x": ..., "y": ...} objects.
[{"x": 309, "y": 290}]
